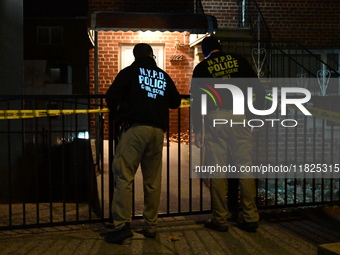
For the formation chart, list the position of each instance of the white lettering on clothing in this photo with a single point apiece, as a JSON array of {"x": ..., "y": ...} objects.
[{"x": 152, "y": 81}]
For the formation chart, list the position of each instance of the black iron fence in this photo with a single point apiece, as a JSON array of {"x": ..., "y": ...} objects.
[
  {"x": 312, "y": 142},
  {"x": 51, "y": 165},
  {"x": 55, "y": 170}
]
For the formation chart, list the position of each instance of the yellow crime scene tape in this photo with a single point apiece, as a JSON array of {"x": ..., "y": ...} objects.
[
  {"x": 23, "y": 114},
  {"x": 317, "y": 112},
  {"x": 185, "y": 103}
]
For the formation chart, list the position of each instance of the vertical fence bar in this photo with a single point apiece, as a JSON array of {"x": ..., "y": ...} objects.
[
  {"x": 323, "y": 159},
  {"x": 92, "y": 194},
  {"x": 36, "y": 156},
  {"x": 331, "y": 162},
  {"x": 168, "y": 171},
  {"x": 100, "y": 165},
  {"x": 267, "y": 161},
  {"x": 305, "y": 156},
  {"x": 96, "y": 166},
  {"x": 50, "y": 171},
  {"x": 99, "y": 208},
  {"x": 10, "y": 209},
  {"x": 21, "y": 166},
  {"x": 179, "y": 159},
  {"x": 286, "y": 162},
  {"x": 276, "y": 158},
  {"x": 63, "y": 165},
  {"x": 314, "y": 154},
  {"x": 295, "y": 155},
  {"x": 112, "y": 143},
  {"x": 190, "y": 165},
  {"x": 76, "y": 170}
]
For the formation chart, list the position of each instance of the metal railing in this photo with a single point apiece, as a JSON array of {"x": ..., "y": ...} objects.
[
  {"x": 291, "y": 59},
  {"x": 50, "y": 169},
  {"x": 253, "y": 38},
  {"x": 251, "y": 17},
  {"x": 286, "y": 59},
  {"x": 55, "y": 170},
  {"x": 314, "y": 140}
]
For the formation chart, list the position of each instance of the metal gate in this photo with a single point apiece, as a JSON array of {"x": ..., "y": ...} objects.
[{"x": 55, "y": 168}]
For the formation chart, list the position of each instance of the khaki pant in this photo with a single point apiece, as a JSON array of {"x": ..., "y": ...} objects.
[
  {"x": 221, "y": 143},
  {"x": 138, "y": 145}
]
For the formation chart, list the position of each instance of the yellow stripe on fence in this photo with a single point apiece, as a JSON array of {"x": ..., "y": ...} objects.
[
  {"x": 23, "y": 114},
  {"x": 317, "y": 112}
]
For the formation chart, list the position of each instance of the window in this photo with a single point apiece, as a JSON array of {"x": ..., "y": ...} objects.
[
  {"x": 50, "y": 35},
  {"x": 58, "y": 72}
]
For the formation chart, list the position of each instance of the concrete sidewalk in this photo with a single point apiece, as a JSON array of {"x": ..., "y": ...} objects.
[{"x": 179, "y": 235}]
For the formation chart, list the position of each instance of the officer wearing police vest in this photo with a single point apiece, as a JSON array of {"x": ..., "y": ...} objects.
[
  {"x": 224, "y": 144},
  {"x": 139, "y": 100}
]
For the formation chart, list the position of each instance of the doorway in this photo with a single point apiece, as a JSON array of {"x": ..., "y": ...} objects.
[{"x": 126, "y": 55}]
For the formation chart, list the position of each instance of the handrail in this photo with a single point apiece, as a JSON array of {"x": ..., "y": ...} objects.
[
  {"x": 252, "y": 17},
  {"x": 296, "y": 62},
  {"x": 303, "y": 48}
]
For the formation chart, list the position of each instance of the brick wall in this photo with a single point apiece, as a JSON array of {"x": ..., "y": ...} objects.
[
  {"x": 313, "y": 23},
  {"x": 109, "y": 42},
  {"x": 226, "y": 12},
  {"x": 309, "y": 22}
]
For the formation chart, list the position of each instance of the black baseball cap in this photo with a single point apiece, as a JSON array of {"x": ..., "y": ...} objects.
[{"x": 209, "y": 44}]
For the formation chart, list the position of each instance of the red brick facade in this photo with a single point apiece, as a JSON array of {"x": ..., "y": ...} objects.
[
  {"x": 313, "y": 23},
  {"x": 309, "y": 22},
  {"x": 226, "y": 12},
  {"x": 108, "y": 50}
]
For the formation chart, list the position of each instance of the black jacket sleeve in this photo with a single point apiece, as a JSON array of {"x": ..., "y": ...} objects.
[{"x": 174, "y": 95}]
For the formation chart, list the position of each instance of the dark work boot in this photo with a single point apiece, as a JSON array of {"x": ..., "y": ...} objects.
[
  {"x": 210, "y": 224},
  {"x": 149, "y": 231},
  {"x": 248, "y": 226},
  {"x": 118, "y": 236}
]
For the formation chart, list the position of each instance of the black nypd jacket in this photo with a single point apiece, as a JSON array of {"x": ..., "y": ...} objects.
[
  {"x": 142, "y": 93},
  {"x": 231, "y": 69}
]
